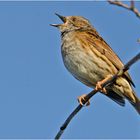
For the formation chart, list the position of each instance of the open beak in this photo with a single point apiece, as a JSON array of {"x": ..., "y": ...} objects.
[{"x": 62, "y": 18}]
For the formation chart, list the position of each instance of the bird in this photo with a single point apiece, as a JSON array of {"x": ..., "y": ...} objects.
[{"x": 88, "y": 57}]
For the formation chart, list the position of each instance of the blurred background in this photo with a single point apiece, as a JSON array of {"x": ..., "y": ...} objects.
[{"x": 37, "y": 93}]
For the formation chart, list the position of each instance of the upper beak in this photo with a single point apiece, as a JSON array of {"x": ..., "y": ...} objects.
[{"x": 61, "y": 17}]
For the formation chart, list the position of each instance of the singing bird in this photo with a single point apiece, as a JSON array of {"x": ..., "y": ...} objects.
[{"x": 91, "y": 60}]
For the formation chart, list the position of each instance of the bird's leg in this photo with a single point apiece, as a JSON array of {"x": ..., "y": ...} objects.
[
  {"x": 82, "y": 99},
  {"x": 99, "y": 84}
]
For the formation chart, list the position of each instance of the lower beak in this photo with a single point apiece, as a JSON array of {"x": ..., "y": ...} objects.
[{"x": 55, "y": 25}]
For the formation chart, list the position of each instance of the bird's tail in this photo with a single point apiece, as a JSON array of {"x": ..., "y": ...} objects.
[{"x": 136, "y": 104}]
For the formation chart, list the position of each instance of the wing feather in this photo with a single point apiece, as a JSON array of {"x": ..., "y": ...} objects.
[{"x": 97, "y": 41}]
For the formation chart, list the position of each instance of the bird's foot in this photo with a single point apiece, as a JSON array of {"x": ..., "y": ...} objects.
[
  {"x": 100, "y": 83},
  {"x": 82, "y": 99}
]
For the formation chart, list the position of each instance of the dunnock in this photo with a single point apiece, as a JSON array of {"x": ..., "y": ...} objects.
[{"x": 91, "y": 60}]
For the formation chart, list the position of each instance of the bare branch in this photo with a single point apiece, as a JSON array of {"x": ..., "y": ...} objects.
[
  {"x": 107, "y": 83},
  {"x": 131, "y": 7},
  {"x": 132, "y": 4}
]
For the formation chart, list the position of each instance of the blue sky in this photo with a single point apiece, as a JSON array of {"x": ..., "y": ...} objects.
[{"x": 37, "y": 93}]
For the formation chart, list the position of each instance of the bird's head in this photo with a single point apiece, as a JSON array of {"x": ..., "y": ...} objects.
[{"x": 71, "y": 23}]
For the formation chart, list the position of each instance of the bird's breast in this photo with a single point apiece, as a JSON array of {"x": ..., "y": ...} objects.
[{"x": 82, "y": 62}]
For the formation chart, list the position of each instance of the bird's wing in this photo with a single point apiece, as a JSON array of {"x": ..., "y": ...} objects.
[{"x": 105, "y": 49}]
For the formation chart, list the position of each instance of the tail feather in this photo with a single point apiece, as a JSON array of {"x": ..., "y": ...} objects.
[
  {"x": 120, "y": 100},
  {"x": 136, "y": 105},
  {"x": 115, "y": 97}
]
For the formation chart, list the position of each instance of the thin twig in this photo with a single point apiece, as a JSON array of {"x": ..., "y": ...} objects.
[
  {"x": 107, "y": 83},
  {"x": 132, "y": 4},
  {"x": 131, "y": 7}
]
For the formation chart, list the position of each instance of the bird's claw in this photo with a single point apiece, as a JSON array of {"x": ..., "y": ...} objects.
[
  {"x": 82, "y": 99},
  {"x": 99, "y": 84},
  {"x": 99, "y": 87}
]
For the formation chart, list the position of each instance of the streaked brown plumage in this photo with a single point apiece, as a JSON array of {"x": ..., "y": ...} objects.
[{"x": 90, "y": 59}]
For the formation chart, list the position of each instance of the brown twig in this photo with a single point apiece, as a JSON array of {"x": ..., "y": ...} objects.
[
  {"x": 107, "y": 83},
  {"x": 131, "y": 7}
]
